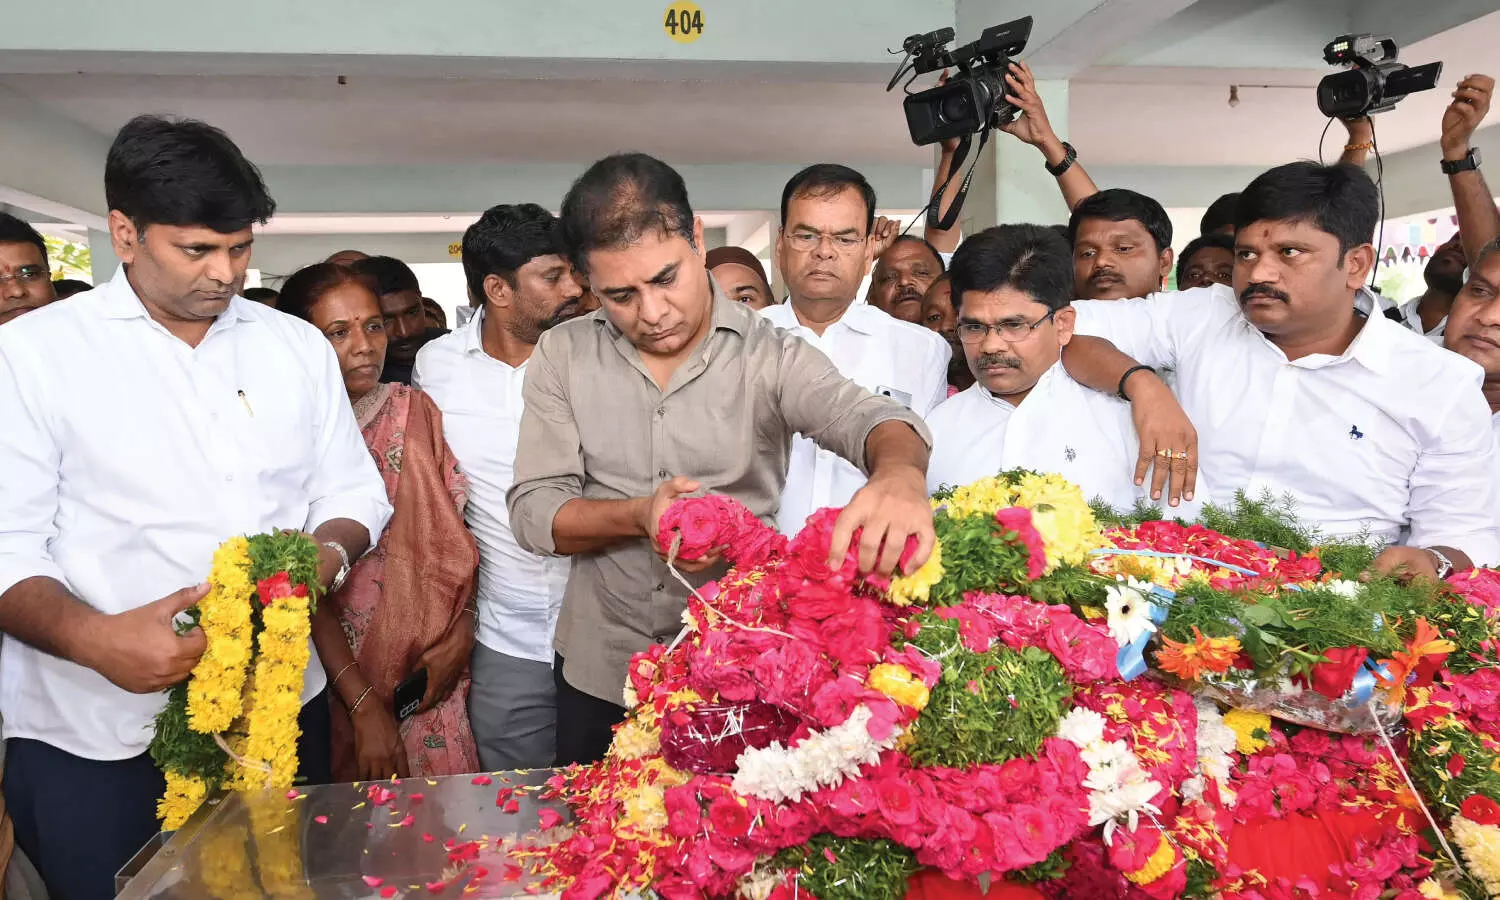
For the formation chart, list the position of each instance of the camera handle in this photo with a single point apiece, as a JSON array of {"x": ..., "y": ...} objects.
[{"x": 944, "y": 222}]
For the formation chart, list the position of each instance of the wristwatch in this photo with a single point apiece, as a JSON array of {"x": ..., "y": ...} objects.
[
  {"x": 1070, "y": 156},
  {"x": 1444, "y": 564},
  {"x": 1469, "y": 163},
  {"x": 343, "y": 572}
]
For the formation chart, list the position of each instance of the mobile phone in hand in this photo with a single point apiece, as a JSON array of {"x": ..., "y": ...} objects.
[{"x": 409, "y": 694}]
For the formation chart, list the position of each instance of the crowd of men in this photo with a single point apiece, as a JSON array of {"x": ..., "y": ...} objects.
[{"x": 613, "y": 364}]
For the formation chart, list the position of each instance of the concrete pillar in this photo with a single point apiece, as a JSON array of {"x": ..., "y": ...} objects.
[
  {"x": 102, "y": 255},
  {"x": 1010, "y": 184}
]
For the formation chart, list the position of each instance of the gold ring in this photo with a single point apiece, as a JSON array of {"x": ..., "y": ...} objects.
[
  {"x": 1164, "y": 454},
  {"x": 1182, "y": 454}
]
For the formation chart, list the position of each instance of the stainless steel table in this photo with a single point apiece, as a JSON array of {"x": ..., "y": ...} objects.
[{"x": 447, "y": 837}]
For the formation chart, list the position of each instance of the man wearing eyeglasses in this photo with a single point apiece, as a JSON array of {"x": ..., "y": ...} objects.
[
  {"x": 1012, "y": 286},
  {"x": 823, "y": 251},
  {"x": 25, "y": 282}
]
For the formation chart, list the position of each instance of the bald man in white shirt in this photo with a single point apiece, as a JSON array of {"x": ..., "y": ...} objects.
[
  {"x": 145, "y": 422},
  {"x": 824, "y": 250},
  {"x": 1375, "y": 431},
  {"x": 1012, "y": 286}
]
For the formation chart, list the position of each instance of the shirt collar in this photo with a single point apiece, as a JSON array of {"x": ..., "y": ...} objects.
[
  {"x": 724, "y": 314},
  {"x": 1375, "y": 344},
  {"x": 120, "y": 301},
  {"x": 473, "y": 337}
]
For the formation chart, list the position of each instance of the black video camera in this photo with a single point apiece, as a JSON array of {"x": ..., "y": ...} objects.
[
  {"x": 1375, "y": 82},
  {"x": 974, "y": 98}
]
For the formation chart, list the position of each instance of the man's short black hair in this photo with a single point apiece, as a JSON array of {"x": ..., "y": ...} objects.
[
  {"x": 1339, "y": 199},
  {"x": 618, "y": 200},
  {"x": 183, "y": 172},
  {"x": 925, "y": 243},
  {"x": 1121, "y": 205},
  {"x": 822, "y": 179},
  {"x": 261, "y": 295},
  {"x": 15, "y": 230},
  {"x": 1219, "y": 214},
  {"x": 67, "y": 287},
  {"x": 389, "y": 274},
  {"x": 506, "y": 238},
  {"x": 1032, "y": 259},
  {"x": 1213, "y": 239}
]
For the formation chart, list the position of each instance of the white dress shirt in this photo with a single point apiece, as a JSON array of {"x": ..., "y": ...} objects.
[
  {"x": 480, "y": 396},
  {"x": 1063, "y": 427},
  {"x": 130, "y": 456},
  {"x": 1392, "y": 434},
  {"x": 879, "y": 353}
]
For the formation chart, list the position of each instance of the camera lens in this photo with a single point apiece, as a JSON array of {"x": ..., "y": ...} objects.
[{"x": 956, "y": 107}]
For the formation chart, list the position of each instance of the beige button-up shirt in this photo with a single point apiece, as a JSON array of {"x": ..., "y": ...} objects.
[{"x": 597, "y": 427}]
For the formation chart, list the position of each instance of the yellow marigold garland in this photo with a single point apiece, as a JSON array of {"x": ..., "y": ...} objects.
[
  {"x": 277, "y": 700},
  {"x": 914, "y": 588},
  {"x": 224, "y": 615},
  {"x": 234, "y": 722}
]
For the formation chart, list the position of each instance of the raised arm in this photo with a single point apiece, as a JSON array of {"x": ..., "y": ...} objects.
[
  {"x": 1361, "y": 141},
  {"x": 1478, "y": 221},
  {"x": 1033, "y": 128}
]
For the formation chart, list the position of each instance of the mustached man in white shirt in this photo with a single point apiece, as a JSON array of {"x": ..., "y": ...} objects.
[
  {"x": 145, "y": 422},
  {"x": 1474, "y": 328},
  {"x": 1372, "y": 429},
  {"x": 1013, "y": 285},
  {"x": 515, "y": 267},
  {"x": 823, "y": 251}
]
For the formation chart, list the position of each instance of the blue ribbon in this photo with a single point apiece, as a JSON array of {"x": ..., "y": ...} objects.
[
  {"x": 1131, "y": 658},
  {"x": 1365, "y": 682}
]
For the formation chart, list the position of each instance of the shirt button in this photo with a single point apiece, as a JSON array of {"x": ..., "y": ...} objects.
[
  {"x": 661, "y": 411},
  {"x": 228, "y": 477},
  {"x": 660, "y": 588},
  {"x": 661, "y": 473}
]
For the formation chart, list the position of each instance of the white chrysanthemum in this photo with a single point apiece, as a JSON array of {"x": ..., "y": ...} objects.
[
  {"x": 1129, "y": 610},
  {"x": 1343, "y": 587},
  {"x": 823, "y": 759},
  {"x": 1215, "y": 743},
  {"x": 1081, "y": 727}
]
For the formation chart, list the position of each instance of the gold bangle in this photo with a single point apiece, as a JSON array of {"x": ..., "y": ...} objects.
[
  {"x": 361, "y": 699},
  {"x": 335, "y": 682}
]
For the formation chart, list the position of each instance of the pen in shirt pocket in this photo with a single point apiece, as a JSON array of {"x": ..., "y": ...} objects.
[{"x": 245, "y": 400}]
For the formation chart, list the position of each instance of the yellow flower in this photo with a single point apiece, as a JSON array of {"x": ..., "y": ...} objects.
[
  {"x": 914, "y": 588},
  {"x": 635, "y": 740},
  {"x": 1062, "y": 516},
  {"x": 898, "y": 683},
  {"x": 224, "y": 616},
  {"x": 183, "y": 796},
  {"x": 1160, "y": 863},
  {"x": 1434, "y": 890},
  {"x": 1251, "y": 729},
  {"x": 271, "y": 721},
  {"x": 983, "y": 497},
  {"x": 1481, "y": 848}
]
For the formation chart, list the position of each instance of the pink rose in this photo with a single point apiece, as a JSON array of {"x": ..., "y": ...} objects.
[{"x": 897, "y": 801}]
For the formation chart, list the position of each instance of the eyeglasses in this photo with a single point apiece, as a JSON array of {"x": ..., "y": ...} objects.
[
  {"x": 26, "y": 275},
  {"x": 805, "y": 241},
  {"x": 974, "y": 332}
]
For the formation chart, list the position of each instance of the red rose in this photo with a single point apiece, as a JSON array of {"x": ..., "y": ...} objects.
[
  {"x": 729, "y": 818},
  {"x": 1456, "y": 765},
  {"x": 1335, "y": 676},
  {"x": 1017, "y": 519},
  {"x": 898, "y": 802},
  {"x": 276, "y": 587},
  {"x": 1481, "y": 810}
]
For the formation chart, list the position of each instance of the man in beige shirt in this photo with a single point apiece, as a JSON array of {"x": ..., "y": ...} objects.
[{"x": 668, "y": 389}]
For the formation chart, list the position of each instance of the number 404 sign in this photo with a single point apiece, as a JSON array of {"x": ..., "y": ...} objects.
[{"x": 683, "y": 22}]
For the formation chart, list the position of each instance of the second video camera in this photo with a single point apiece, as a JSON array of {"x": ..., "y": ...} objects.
[
  {"x": 1374, "y": 81},
  {"x": 974, "y": 97}
]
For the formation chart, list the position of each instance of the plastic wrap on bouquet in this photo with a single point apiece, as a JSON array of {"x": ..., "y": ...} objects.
[
  {"x": 1355, "y": 712},
  {"x": 708, "y": 738}
]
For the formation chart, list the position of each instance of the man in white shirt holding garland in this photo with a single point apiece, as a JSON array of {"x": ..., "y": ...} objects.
[
  {"x": 1373, "y": 430},
  {"x": 515, "y": 268},
  {"x": 1012, "y": 286},
  {"x": 824, "y": 251},
  {"x": 145, "y": 422}
]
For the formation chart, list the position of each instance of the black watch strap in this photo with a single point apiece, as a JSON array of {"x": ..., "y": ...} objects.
[
  {"x": 1070, "y": 157},
  {"x": 1469, "y": 163}
]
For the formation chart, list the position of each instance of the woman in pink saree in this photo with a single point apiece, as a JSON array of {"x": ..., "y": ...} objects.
[{"x": 408, "y": 604}]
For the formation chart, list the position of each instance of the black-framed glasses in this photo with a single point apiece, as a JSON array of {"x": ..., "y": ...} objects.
[
  {"x": 26, "y": 275},
  {"x": 974, "y": 332}
]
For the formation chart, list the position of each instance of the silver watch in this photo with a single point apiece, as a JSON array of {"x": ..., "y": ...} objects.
[
  {"x": 343, "y": 572},
  {"x": 1444, "y": 564}
]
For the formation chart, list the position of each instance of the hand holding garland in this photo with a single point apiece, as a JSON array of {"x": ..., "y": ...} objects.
[{"x": 138, "y": 650}]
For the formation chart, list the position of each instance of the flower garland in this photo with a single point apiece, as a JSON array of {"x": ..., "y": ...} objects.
[{"x": 233, "y": 723}]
